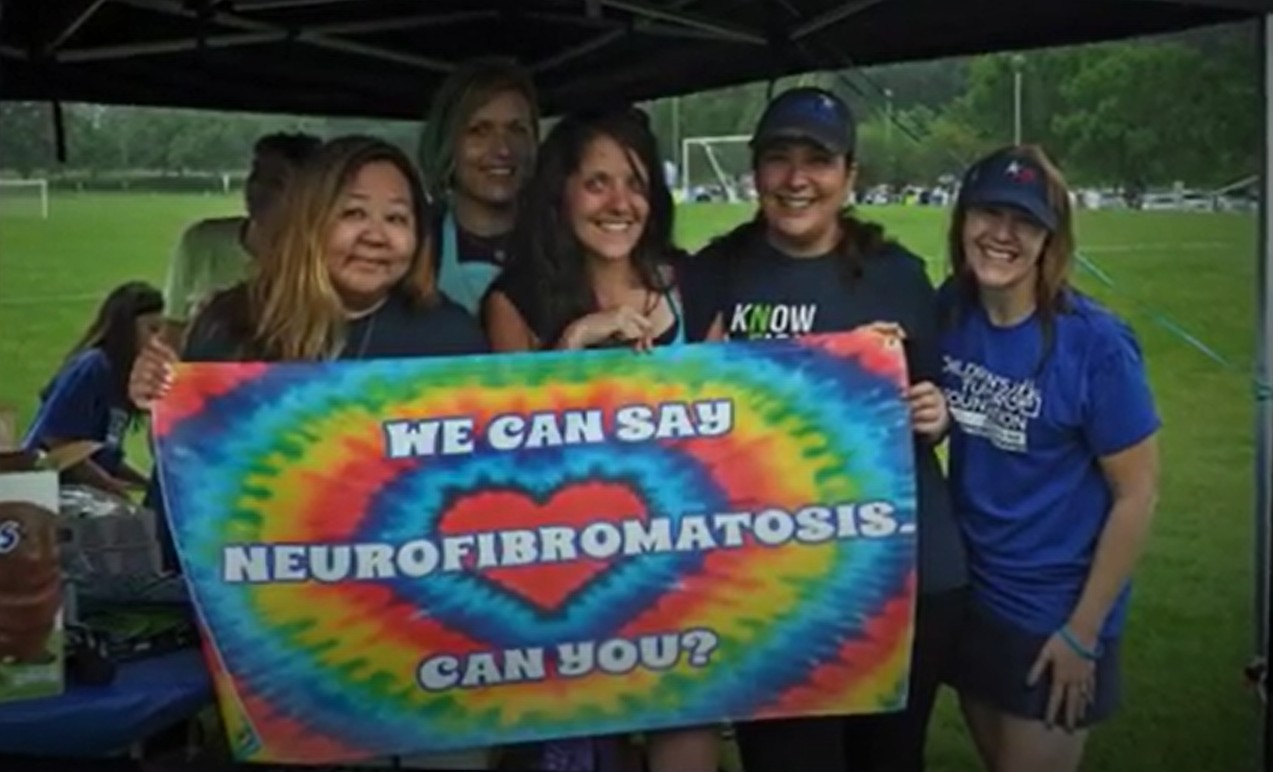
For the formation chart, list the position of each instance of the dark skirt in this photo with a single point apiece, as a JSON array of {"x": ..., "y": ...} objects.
[{"x": 994, "y": 658}]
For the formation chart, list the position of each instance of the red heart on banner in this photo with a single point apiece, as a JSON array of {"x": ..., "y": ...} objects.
[{"x": 546, "y": 585}]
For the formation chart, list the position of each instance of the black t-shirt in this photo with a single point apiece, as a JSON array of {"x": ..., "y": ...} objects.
[
  {"x": 760, "y": 292},
  {"x": 466, "y": 263},
  {"x": 519, "y": 286},
  {"x": 397, "y": 329},
  {"x": 470, "y": 247}
]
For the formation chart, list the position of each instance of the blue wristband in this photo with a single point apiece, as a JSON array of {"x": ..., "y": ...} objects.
[{"x": 1074, "y": 643}]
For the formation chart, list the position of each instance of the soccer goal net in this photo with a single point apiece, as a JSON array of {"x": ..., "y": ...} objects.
[
  {"x": 24, "y": 198},
  {"x": 716, "y": 169}
]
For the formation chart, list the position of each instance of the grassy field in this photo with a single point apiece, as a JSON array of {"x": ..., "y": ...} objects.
[{"x": 1191, "y": 628}]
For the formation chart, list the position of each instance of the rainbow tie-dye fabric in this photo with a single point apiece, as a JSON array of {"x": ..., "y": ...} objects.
[{"x": 404, "y": 556}]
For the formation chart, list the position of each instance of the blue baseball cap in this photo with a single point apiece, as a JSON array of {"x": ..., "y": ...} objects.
[
  {"x": 1008, "y": 179},
  {"x": 812, "y": 114}
]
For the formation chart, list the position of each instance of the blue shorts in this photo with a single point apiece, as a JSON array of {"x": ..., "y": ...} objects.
[{"x": 993, "y": 659}]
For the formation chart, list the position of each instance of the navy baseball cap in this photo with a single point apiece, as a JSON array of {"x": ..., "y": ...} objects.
[
  {"x": 812, "y": 114},
  {"x": 1011, "y": 180}
]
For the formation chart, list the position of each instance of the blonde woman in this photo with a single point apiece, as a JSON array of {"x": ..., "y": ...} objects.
[
  {"x": 478, "y": 150},
  {"x": 347, "y": 274}
]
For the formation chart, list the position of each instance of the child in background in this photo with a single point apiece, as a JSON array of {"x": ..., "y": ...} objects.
[{"x": 87, "y": 400}]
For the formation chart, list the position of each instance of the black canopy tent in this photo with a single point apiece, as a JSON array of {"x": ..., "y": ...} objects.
[{"x": 385, "y": 58}]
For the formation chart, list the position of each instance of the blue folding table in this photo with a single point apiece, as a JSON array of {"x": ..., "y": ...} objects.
[{"x": 146, "y": 697}]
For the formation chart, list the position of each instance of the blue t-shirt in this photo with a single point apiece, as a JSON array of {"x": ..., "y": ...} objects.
[
  {"x": 84, "y": 402},
  {"x": 1027, "y": 436}
]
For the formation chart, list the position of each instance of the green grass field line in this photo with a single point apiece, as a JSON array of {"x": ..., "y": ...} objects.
[{"x": 1191, "y": 628}]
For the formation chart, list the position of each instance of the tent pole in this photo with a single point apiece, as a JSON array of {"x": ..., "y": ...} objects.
[{"x": 1264, "y": 407}]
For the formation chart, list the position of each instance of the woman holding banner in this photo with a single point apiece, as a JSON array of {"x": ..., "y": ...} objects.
[
  {"x": 593, "y": 245},
  {"x": 363, "y": 289},
  {"x": 804, "y": 265},
  {"x": 592, "y": 267},
  {"x": 1053, "y": 466}
]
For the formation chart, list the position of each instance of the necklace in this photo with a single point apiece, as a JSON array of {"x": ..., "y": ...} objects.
[
  {"x": 371, "y": 309},
  {"x": 370, "y": 315},
  {"x": 366, "y": 338}
]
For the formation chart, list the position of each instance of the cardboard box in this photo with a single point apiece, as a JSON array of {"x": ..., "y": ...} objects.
[
  {"x": 35, "y": 599},
  {"x": 31, "y": 603}
]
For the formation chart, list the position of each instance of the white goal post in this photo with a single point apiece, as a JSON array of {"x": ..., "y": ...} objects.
[
  {"x": 13, "y": 191},
  {"x": 709, "y": 146}
]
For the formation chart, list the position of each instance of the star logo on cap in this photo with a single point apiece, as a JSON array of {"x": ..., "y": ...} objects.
[
  {"x": 1019, "y": 173},
  {"x": 822, "y": 108}
]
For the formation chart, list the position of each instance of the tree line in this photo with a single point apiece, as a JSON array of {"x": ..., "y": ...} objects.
[{"x": 1131, "y": 114}]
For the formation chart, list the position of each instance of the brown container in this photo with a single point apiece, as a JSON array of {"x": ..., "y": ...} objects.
[{"x": 30, "y": 581}]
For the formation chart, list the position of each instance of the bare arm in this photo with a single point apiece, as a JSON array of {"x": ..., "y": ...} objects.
[
  {"x": 716, "y": 331},
  {"x": 1133, "y": 475},
  {"x": 88, "y": 471},
  {"x": 505, "y": 326}
]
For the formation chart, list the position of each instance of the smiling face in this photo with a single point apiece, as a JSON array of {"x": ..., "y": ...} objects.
[
  {"x": 373, "y": 240},
  {"x": 607, "y": 200},
  {"x": 802, "y": 188},
  {"x": 1002, "y": 248},
  {"x": 496, "y": 150}
]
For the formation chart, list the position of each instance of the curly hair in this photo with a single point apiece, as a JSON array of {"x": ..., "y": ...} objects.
[{"x": 545, "y": 250}]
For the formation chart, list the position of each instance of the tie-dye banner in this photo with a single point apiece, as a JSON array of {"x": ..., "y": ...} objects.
[{"x": 403, "y": 556}]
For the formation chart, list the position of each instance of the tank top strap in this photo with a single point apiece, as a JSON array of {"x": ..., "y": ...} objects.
[{"x": 674, "y": 303}]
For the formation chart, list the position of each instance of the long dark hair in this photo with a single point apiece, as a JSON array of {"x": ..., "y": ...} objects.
[
  {"x": 114, "y": 333},
  {"x": 858, "y": 238},
  {"x": 545, "y": 250}
]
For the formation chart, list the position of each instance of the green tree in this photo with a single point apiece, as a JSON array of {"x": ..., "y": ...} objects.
[
  {"x": 921, "y": 148},
  {"x": 988, "y": 107},
  {"x": 1234, "y": 102},
  {"x": 25, "y": 137},
  {"x": 1141, "y": 115}
]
